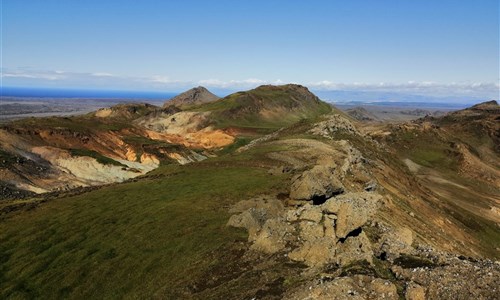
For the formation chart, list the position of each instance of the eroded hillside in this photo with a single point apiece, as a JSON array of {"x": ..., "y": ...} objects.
[{"x": 128, "y": 140}]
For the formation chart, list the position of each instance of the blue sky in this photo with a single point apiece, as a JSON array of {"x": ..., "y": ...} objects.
[{"x": 437, "y": 48}]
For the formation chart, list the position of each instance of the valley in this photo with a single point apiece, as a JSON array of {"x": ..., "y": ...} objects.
[{"x": 269, "y": 193}]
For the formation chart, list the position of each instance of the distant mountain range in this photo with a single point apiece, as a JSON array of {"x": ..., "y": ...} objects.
[{"x": 387, "y": 98}]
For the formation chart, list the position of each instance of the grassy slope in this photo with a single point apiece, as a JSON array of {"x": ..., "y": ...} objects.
[
  {"x": 117, "y": 241},
  {"x": 435, "y": 151},
  {"x": 81, "y": 124},
  {"x": 244, "y": 109},
  {"x": 136, "y": 239},
  {"x": 99, "y": 157},
  {"x": 124, "y": 114}
]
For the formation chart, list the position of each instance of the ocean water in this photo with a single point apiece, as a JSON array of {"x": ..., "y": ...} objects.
[{"x": 82, "y": 93}]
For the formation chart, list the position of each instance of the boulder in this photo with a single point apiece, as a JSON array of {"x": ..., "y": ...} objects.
[
  {"x": 317, "y": 252},
  {"x": 354, "y": 248},
  {"x": 353, "y": 210},
  {"x": 396, "y": 241},
  {"x": 252, "y": 220},
  {"x": 318, "y": 182},
  {"x": 310, "y": 231},
  {"x": 316, "y": 240},
  {"x": 414, "y": 292},
  {"x": 311, "y": 213},
  {"x": 253, "y": 213},
  {"x": 273, "y": 236}
]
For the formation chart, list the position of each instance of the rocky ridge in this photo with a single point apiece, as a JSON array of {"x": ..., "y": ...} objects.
[{"x": 332, "y": 226}]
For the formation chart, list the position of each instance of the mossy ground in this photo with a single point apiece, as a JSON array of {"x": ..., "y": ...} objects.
[
  {"x": 99, "y": 157},
  {"x": 139, "y": 239}
]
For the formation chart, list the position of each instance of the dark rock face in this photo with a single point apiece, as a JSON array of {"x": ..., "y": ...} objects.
[
  {"x": 9, "y": 191},
  {"x": 493, "y": 104},
  {"x": 197, "y": 95}
]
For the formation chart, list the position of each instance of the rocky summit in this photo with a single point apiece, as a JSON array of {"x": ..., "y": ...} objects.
[
  {"x": 269, "y": 193},
  {"x": 194, "y": 96}
]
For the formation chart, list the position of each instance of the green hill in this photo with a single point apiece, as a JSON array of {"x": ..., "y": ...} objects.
[{"x": 266, "y": 106}]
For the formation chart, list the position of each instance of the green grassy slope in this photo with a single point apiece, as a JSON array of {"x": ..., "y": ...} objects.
[
  {"x": 99, "y": 157},
  {"x": 266, "y": 107},
  {"x": 120, "y": 118},
  {"x": 460, "y": 195},
  {"x": 137, "y": 239}
]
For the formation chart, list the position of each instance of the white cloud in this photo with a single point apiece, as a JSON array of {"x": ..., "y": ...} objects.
[
  {"x": 423, "y": 87},
  {"x": 160, "y": 79},
  {"x": 34, "y": 75},
  {"x": 238, "y": 84},
  {"x": 60, "y": 78},
  {"x": 101, "y": 74},
  {"x": 246, "y": 83}
]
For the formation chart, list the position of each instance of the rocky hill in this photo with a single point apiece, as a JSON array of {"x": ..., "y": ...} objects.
[
  {"x": 280, "y": 196},
  {"x": 361, "y": 114},
  {"x": 194, "y": 96}
]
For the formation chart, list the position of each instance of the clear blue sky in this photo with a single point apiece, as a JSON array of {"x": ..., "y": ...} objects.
[{"x": 424, "y": 46}]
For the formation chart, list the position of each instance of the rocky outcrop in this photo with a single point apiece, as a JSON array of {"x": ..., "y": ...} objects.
[
  {"x": 252, "y": 214},
  {"x": 396, "y": 241},
  {"x": 274, "y": 236},
  {"x": 330, "y": 164},
  {"x": 353, "y": 210},
  {"x": 354, "y": 248},
  {"x": 335, "y": 123},
  {"x": 314, "y": 234},
  {"x": 323, "y": 223},
  {"x": 316, "y": 184},
  {"x": 331, "y": 232},
  {"x": 431, "y": 274},
  {"x": 358, "y": 287},
  {"x": 361, "y": 114}
]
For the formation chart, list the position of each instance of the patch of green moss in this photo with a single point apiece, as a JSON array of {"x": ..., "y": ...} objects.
[
  {"x": 99, "y": 157},
  {"x": 7, "y": 159},
  {"x": 361, "y": 267},
  {"x": 239, "y": 142},
  {"x": 410, "y": 261}
]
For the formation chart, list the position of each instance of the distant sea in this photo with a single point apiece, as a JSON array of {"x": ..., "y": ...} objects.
[
  {"x": 338, "y": 97},
  {"x": 82, "y": 93}
]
